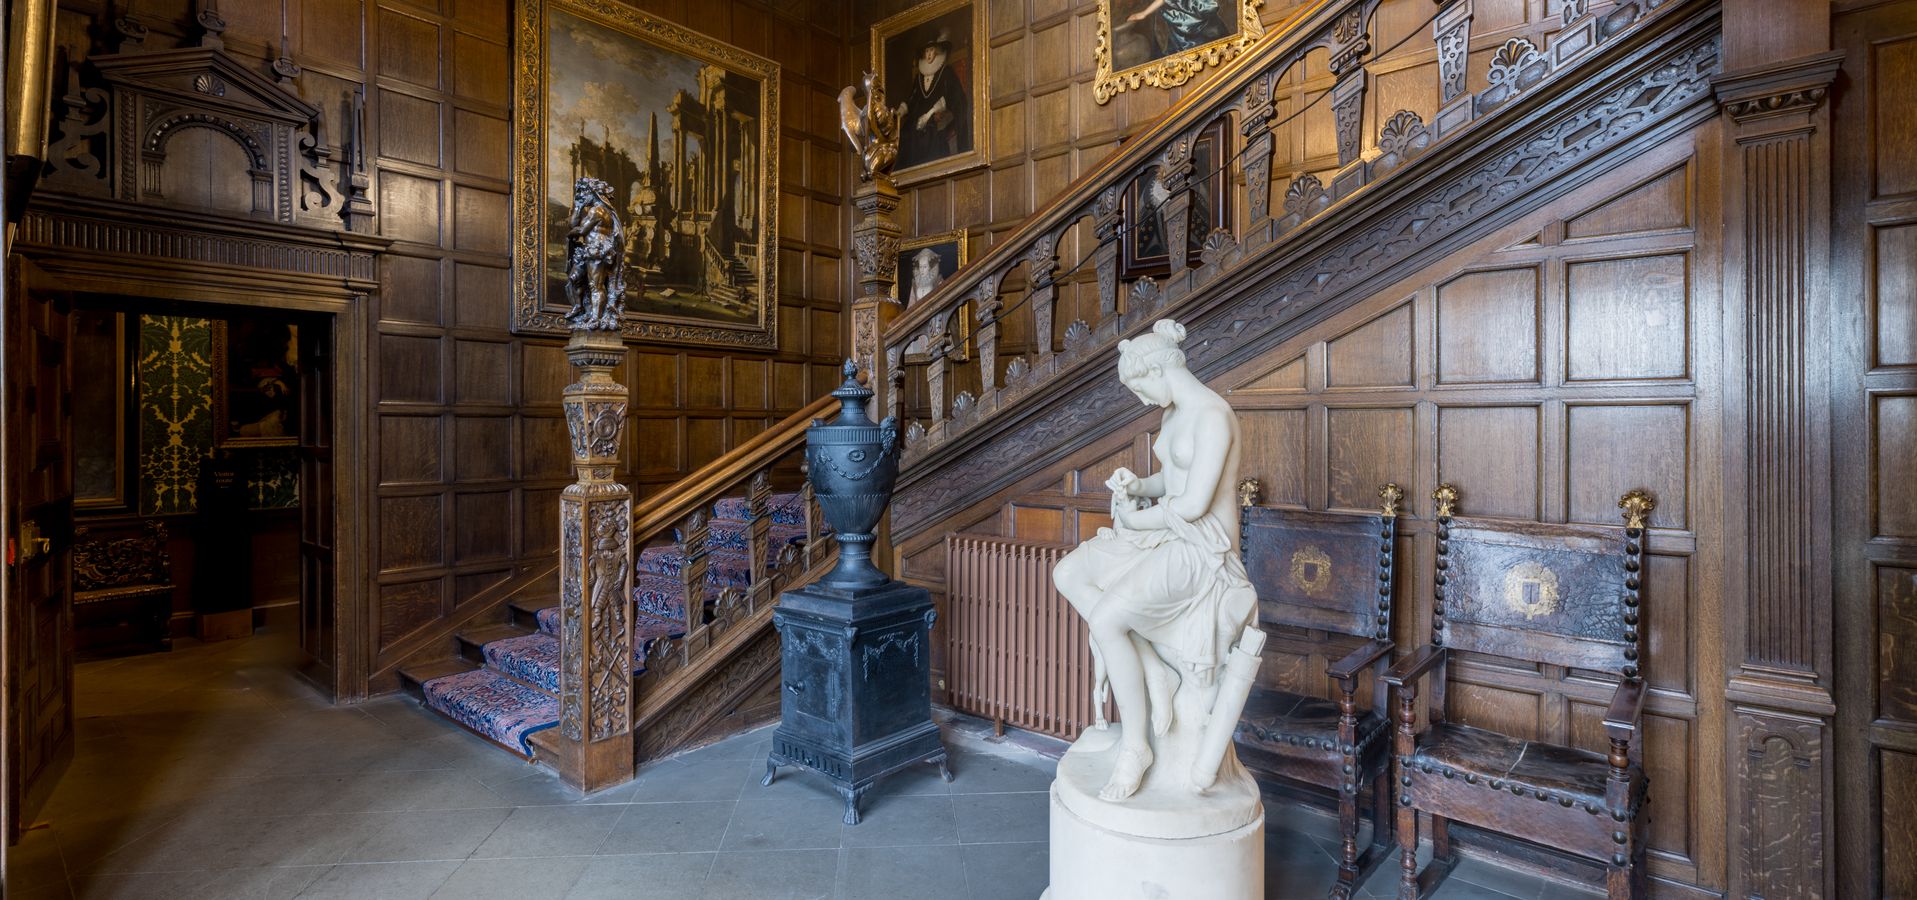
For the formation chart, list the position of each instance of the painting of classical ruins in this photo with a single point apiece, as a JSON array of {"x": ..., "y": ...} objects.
[{"x": 682, "y": 127}]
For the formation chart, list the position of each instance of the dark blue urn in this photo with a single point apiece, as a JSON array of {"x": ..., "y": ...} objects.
[
  {"x": 853, "y": 464},
  {"x": 855, "y": 699}
]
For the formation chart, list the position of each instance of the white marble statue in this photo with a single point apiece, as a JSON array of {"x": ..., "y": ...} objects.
[{"x": 1172, "y": 618}]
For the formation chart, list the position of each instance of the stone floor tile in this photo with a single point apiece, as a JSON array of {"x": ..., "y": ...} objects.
[
  {"x": 669, "y": 827},
  {"x": 550, "y": 831},
  {"x": 513, "y": 879},
  {"x": 772, "y": 875},
  {"x": 899, "y": 821},
  {"x": 1002, "y": 818},
  {"x": 1005, "y": 871},
  {"x": 883, "y": 873},
  {"x": 380, "y": 881},
  {"x": 654, "y": 876},
  {"x": 699, "y": 779},
  {"x": 981, "y": 773},
  {"x": 425, "y": 835},
  {"x": 785, "y": 825}
]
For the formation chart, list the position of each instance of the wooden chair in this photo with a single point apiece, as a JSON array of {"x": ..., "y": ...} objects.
[
  {"x": 1565, "y": 595},
  {"x": 122, "y": 589},
  {"x": 1320, "y": 575}
]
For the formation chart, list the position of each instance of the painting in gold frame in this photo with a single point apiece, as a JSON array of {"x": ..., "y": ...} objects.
[
  {"x": 255, "y": 382},
  {"x": 931, "y": 59},
  {"x": 685, "y": 129},
  {"x": 1165, "y": 43}
]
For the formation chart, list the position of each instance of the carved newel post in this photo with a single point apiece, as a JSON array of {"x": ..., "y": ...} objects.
[
  {"x": 855, "y": 665},
  {"x": 595, "y": 512},
  {"x": 874, "y": 133}
]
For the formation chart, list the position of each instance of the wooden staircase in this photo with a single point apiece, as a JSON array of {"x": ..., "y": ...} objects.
[
  {"x": 723, "y": 536},
  {"x": 993, "y": 404}
]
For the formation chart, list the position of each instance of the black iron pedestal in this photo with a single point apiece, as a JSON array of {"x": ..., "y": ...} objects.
[{"x": 856, "y": 697}]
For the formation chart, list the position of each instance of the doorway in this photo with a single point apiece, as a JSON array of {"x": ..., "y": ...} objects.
[{"x": 201, "y": 479}]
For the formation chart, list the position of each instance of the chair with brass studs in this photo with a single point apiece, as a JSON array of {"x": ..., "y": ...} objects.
[
  {"x": 1324, "y": 584},
  {"x": 1532, "y": 593}
]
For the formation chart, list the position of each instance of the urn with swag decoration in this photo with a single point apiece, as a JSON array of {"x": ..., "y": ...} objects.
[
  {"x": 855, "y": 646},
  {"x": 853, "y": 464}
]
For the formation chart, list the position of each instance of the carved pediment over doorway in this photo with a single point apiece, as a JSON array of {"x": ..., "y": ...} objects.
[{"x": 193, "y": 128}]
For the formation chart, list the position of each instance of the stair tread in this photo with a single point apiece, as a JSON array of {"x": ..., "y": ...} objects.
[
  {"x": 420, "y": 673},
  {"x": 499, "y": 708},
  {"x": 486, "y": 634}
]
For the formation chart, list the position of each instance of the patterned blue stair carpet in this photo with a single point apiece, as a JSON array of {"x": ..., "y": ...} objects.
[
  {"x": 498, "y": 707},
  {"x": 516, "y": 692}
]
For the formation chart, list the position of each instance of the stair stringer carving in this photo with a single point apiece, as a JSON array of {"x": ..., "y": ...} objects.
[{"x": 1639, "y": 92}]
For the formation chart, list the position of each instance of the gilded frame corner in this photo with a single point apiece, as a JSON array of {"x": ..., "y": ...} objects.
[
  {"x": 981, "y": 86},
  {"x": 532, "y": 311},
  {"x": 1175, "y": 69}
]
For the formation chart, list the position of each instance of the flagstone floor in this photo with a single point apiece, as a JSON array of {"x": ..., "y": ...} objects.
[{"x": 214, "y": 772}]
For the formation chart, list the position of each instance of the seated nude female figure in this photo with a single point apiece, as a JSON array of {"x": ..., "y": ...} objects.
[{"x": 1164, "y": 589}]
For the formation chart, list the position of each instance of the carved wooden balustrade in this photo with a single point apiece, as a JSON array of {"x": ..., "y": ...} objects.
[
  {"x": 948, "y": 374},
  {"x": 737, "y": 531}
]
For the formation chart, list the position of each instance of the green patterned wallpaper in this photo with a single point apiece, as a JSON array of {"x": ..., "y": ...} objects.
[
  {"x": 174, "y": 370},
  {"x": 175, "y": 378}
]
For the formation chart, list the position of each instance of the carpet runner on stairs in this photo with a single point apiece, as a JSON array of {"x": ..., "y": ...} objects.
[{"x": 515, "y": 692}]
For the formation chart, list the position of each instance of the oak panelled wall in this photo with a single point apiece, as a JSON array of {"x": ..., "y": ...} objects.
[
  {"x": 466, "y": 430},
  {"x": 1544, "y": 371},
  {"x": 1874, "y": 408},
  {"x": 470, "y": 432}
]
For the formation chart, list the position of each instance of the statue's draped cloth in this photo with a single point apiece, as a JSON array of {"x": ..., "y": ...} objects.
[{"x": 1186, "y": 590}]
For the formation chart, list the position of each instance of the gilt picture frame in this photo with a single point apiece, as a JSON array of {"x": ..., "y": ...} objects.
[
  {"x": 1142, "y": 250},
  {"x": 1166, "y": 43},
  {"x": 685, "y": 130},
  {"x": 255, "y": 390},
  {"x": 932, "y": 58}
]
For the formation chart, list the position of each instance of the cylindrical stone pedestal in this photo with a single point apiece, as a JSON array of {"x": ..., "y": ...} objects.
[{"x": 1164, "y": 842}]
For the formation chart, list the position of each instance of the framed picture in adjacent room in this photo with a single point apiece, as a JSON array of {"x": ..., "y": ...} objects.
[
  {"x": 932, "y": 60},
  {"x": 1164, "y": 43},
  {"x": 1142, "y": 250},
  {"x": 683, "y": 130},
  {"x": 255, "y": 383}
]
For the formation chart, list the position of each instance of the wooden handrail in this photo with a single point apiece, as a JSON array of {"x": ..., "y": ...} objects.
[
  {"x": 1218, "y": 93},
  {"x": 666, "y": 509}
]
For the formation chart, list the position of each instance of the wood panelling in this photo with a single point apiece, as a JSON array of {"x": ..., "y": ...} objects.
[
  {"x": 1488, "y": 326},
  {"x": 1872, "y": 364},
  {"x": 1470, "y": 373},
  {"x": 462, "y": 415}
]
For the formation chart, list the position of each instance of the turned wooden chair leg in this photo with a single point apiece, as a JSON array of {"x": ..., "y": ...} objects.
[
  {"x": 1348, "y": 830},
  {"x": 1407, "y": 852}
]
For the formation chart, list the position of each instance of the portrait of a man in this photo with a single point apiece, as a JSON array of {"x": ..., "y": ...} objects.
[{"x": 933, "y": 66}]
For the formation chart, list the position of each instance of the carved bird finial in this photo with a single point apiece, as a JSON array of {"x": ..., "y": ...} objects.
[
  {"x": 873, "y": 128},
  {"x": 1447, "y": 497},
  {"x": 1637, "y": 505}
]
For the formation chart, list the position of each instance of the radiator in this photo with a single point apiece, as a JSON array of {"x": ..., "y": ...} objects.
[{"x": 1018, "y": 654}]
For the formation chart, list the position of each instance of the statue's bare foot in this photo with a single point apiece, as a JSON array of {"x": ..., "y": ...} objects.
[{"x": 1127, "y": 774}]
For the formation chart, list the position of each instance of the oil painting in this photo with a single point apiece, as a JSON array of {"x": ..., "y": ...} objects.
[
  {"x": 932, "y": 60},
  {"x": 1164, "y": 43},
  {"x": 683, "y": 130}
]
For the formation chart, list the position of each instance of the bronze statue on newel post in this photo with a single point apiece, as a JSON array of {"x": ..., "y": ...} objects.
[
  {"x": 595, "y": 259},
  {"x": 595, "y": 511}
]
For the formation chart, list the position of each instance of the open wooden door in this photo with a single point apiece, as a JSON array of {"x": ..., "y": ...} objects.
[
  {"x": 39, "y": 526},
  {"x": 318, "y": 636}
]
